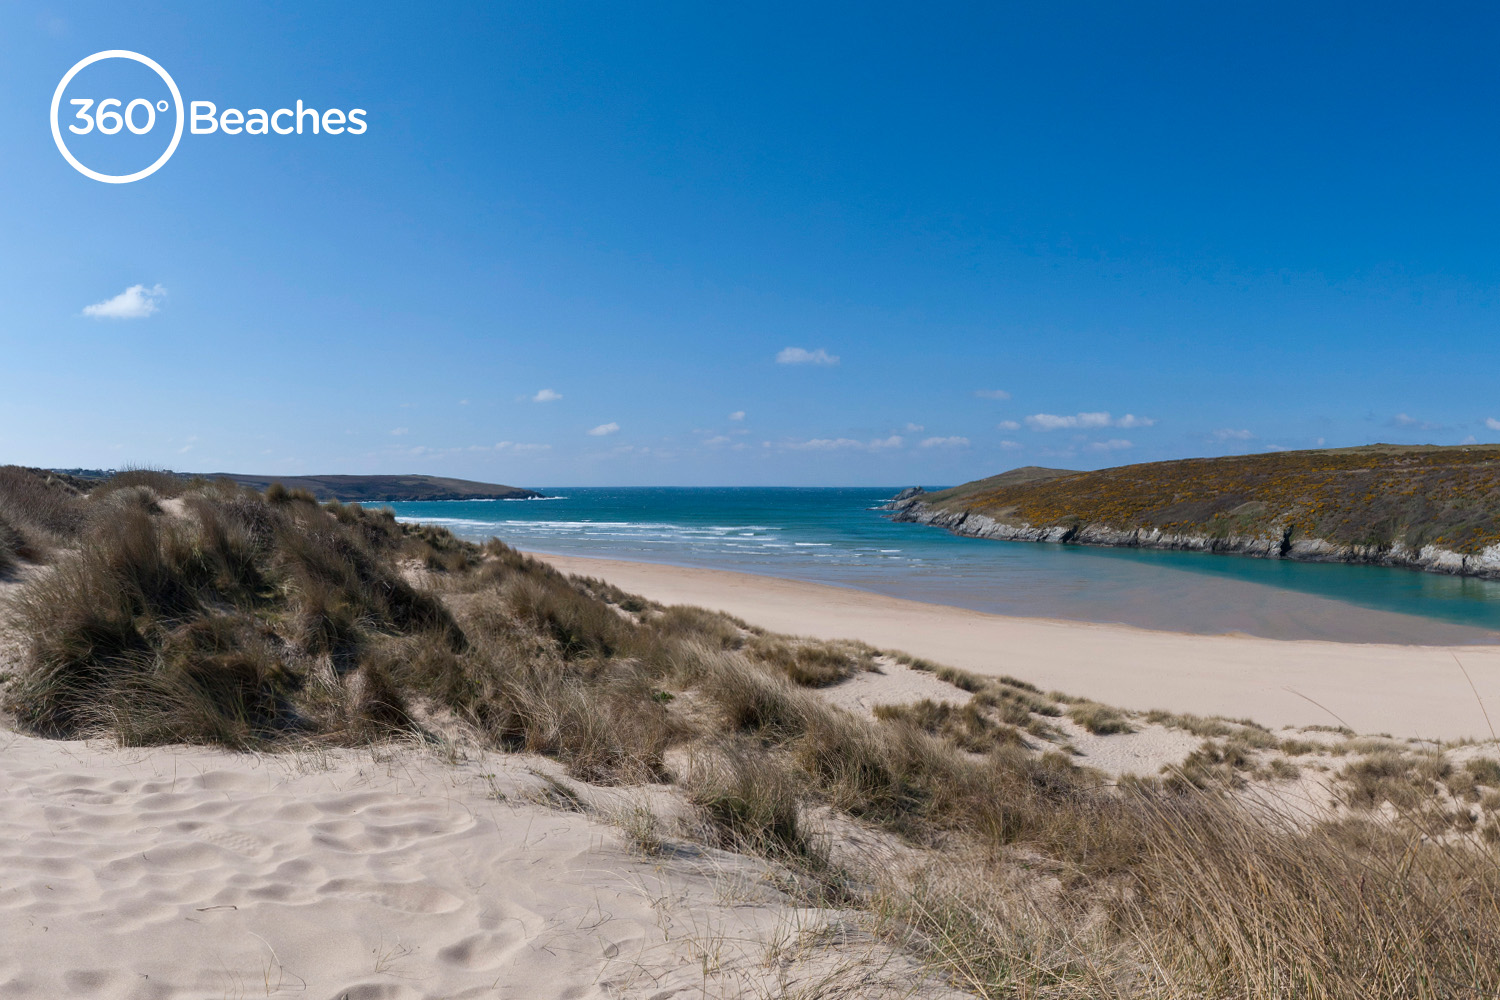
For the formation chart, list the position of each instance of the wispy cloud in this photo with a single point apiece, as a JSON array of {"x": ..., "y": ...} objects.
[
  {"x": 1230, "y": 434},
  {"x": 945, "y": 442},
  {"x": 1008, "y": 425},
  {"x": 914, "y": 428},
  {"x": 715, "y": 442},
  {"x": 824, "y": 444},
  {"x": 1131, "y": 420},
  {"x": 1054, "y": 422},
  {"x": 1010, "y": 445},
  {"x": 737, "y": 415},
  {"x": 1083, "y": 421},
  {"x": 1113, "y": 444},
  {"x": 397, "y": 432},
  {"x": 1492, "y": 423},
  {"x": 802, "y": 356},
  {"x": 604, "y": 429},
  {"x": 135, "y": 302},
  {"x": 1407, "y": 420},
  {"x": 546, "y": 396},
  {"x": 991, "y": 393},
  {"x": 843, "y": 443}
]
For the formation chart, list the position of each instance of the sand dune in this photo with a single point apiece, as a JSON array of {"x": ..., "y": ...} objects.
[
  {"x": 1407, "y": 691},
  {"x": 189, "y": 873}
]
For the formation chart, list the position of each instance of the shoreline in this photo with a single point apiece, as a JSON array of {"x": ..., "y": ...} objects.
[{"x": 1406, "y": 691}]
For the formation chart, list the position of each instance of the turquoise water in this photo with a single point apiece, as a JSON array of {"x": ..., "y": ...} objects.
[{"x": 836, "y": 536}]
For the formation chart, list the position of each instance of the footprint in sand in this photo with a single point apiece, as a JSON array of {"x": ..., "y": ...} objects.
[
  {"x": 483, "y": 951},
  {"x": 409, "y": 897}
]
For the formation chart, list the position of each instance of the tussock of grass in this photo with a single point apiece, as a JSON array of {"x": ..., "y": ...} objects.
[
  {"x": 39, "y": 511},
  {"x": 750, "y": 802},
  {"x": 1484, "y": 770},
  {"x": 968, "y": 727},
  {"x": 1098, "y": 719},
  {"x": 813, "y": 665}
]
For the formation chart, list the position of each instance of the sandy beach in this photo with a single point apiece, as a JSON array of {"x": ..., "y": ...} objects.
[
  {"x": 1405, "y": 691},
  {"x": 183, "y": 872}
]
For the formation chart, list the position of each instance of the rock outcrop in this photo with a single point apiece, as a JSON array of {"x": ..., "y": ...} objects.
[{"x": 910, "y": 505}]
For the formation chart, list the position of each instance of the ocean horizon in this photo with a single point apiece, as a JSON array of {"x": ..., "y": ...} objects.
[{"x": 839, "y": 536}]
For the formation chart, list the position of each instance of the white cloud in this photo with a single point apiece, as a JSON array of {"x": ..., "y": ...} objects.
[
  {"x": 1113, "y": 444},
  {"x": 840, "y": 444},
  {"x": 1492, "y": 423},
  {"x": 135, "y": 302},
  {"x": 945, "y": 442},
  {"x": 1010, "y": 445},
  {"x": 1230, "y": 434},
  {"x": 737, "y": 415},
  {"x": 992, "y": 394},
  {"x": 1008, "y": 425},
  {"x": 398, "y": 431},
  {"x": 1130, "y": 420},
  {"x": 1471, "y": 439},
  {"x": 714, "y": 442},
  {"x": 1054, "y": 422},
  {"x": 546, "y": 396},
  {"x": 914, "y": 428},
  {"x": 824, "y": 444},
  {"x": 801, "y": 356},
  {"x": 604, "y": 429},
  {"x": 1407, "y": 420}
]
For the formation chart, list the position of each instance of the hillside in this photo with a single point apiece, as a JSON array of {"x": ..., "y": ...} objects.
[
  {"x": 350, "y": 489},
  {"x": 1426, "y": 507},
  {"x": 364, "y": 489}
]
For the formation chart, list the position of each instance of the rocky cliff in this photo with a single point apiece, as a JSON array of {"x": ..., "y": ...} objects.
[{"x": 1431, "y": 509}]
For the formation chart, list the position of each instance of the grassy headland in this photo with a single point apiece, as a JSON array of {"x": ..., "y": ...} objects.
[
  {"x": 1427, "y": 507},
  {"x": 151, "y": 610},
  {"x": 357, "y": 489}
]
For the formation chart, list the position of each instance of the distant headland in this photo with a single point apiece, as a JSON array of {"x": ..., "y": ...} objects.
[
  {"x": 355, "y": 489},
  {"x": 1427, "y": 507}
]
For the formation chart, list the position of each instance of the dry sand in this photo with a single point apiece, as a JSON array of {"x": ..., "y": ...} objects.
[
  {"x": 1406, "y": 691},
  {"x": 179, "y": 873}
]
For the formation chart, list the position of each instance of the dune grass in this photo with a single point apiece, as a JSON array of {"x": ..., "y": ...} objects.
[{"x": 261, "y": 621}]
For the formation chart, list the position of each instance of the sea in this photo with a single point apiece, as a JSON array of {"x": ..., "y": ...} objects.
[{"x": 840, "y": 536}]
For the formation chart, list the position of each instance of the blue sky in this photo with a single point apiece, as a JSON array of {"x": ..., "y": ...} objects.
[{"x": 757, "y": 244}]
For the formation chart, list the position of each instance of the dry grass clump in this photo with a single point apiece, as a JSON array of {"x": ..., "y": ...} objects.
[
  {"x": 813, "y": 664},
  {"x": 1099, "y": 719},
  {"x": 751, "y": 802},
  {"x": 1406, "y": 782},
  {"x": 232, "y": 625},
  {"x": 39, "y": 511},
  {"x": 162, "y": 483},
  {"x": 968, "y": 727},
  {"x": 1484, "y": 770}
]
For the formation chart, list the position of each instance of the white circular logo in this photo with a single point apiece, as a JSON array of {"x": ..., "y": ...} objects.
[{"x": 62, "y": 146}]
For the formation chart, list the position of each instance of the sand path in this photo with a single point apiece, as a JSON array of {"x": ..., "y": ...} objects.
[{"x": 1406, "y": 691}]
